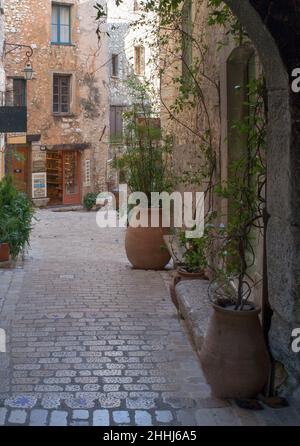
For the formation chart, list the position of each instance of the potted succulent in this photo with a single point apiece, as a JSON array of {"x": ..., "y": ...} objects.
[
  {"x": 144, "y": 164},
  {"x": 15, "y": 219}
]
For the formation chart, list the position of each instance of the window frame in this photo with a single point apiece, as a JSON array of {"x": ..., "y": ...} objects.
[
  {"x": 116, "y": 112},
  {"x": 60, "y": 76},
  {"x": 142, "y": 64},
  {"x": 115, "y": 65},
  {"x": 23, "y": 91},
  {"x": 58, "y": 24}
]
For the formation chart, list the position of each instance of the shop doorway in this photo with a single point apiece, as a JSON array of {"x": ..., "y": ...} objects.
[
  {"x": 17, "y": 162},
  {"x": 63, "y": 177}
]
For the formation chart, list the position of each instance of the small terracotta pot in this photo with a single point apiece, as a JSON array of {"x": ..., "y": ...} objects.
[
  {"x": 145, "y": 246},
  {"x": 234, "y": 356},
  {"x": 178, "y": 276},
  {"x": 4, "y": 252}
]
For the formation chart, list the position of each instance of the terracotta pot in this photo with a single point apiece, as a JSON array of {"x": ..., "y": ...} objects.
[
  {"x": 178, "y": 276},
  {"x": 4, "y": 252},
  {"x": 144, "y": 245},
  {"x": 234, "y": 356}
]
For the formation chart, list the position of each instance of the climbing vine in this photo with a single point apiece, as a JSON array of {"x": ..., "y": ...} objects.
[{"x": 182, "y": 38}]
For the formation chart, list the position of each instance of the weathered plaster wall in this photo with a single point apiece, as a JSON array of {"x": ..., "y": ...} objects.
[
  {"x": 275, "y": 30},
  {"x": 123, "y": 37},
  {"x": 29, "y": 22},
  {"x": 2, "y": 83}
]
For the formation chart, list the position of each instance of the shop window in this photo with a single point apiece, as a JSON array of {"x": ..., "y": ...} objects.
[
  {"x": 19, "y": 92},
  {"x": 61, "y": 24},
  {"x": 61, "y": 94},
  {"x": 139, "y": 60}
]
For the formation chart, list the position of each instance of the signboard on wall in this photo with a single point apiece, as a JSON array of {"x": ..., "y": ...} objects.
[
  {"x": 13, "y": 119},
  {"x": 39, "y": 185},
  {"x": 16, "y": 138},
  {"x": 38, "y": 161}
]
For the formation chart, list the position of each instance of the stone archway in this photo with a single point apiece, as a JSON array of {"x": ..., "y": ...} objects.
[{"x": 275, "y": 32}]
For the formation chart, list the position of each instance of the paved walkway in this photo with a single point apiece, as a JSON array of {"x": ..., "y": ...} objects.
[{"x": 92, "y": 342}]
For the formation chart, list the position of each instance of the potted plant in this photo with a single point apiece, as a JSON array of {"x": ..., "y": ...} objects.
[
  {"x": 234, "y": 355},
  {"x": 89, "y": 200},
  {"x": 192, "y": 263},
  {"x": 4, "y": 246},
  {"x": 15, "y": 218},
  {"x": 145, "y": 167}
]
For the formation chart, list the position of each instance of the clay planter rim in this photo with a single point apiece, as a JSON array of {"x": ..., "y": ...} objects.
[
  {"x": 186, "y": 273},
  {"x": 241, "y": 313}
]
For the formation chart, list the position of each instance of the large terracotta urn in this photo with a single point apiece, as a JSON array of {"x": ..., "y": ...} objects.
[
  {"x": 145, "y": 246},
  {"x": 234, "y": 356}
]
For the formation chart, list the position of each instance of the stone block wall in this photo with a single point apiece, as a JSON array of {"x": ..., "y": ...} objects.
[{"x": 29, "y": 22}]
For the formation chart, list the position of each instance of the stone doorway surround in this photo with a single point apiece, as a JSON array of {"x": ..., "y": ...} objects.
[{"x": 277, "y": 43}]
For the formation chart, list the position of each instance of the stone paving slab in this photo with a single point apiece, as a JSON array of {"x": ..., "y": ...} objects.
[{"x": 90, "y": 341}]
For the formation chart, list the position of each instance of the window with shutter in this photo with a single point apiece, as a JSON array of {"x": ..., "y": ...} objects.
[
  {"x": 61, "y": 94},
  {"x": 61, "y": 24},
  {"x": 139, "y": 60}
]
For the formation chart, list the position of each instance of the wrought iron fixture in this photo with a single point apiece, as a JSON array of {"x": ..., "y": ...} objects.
[{"x": 28, "y": 70}]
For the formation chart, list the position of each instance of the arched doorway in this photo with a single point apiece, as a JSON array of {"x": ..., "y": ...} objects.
[{"x": 275, "y": 33}]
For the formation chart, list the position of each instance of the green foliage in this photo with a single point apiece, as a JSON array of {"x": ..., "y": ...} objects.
[
  {"x": 244, "y": 192},
  {"x": 195, "y": 258},
  {"x": 16, "y": 212},
  {"x": 89, "y": 200},
  {"x": 144, "y": 164}
]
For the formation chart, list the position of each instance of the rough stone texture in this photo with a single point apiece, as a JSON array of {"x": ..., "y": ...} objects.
[
  {"x": 276, "y": 37},
  {"x": 77, "y": 294},
  {"x": 195, "y": 307},
  {"x": 2, "y": 84},
  {"x": 29, "y": 22}
]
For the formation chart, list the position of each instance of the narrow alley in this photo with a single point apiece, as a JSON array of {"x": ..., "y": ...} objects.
[{"x": 93, "y": 342}]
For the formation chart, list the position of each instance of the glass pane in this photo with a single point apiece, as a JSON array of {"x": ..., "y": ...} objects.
[
  {"x": 70, "y": 173},
  {"x": 64, "y": 34},
  {"x": 65, "y": 15},
  {"x": 55, "y": 15},
  {"x": 54, "y": 35}
]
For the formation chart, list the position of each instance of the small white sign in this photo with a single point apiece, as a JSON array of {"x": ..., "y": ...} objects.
[
  {"x": 2, "y": 341},
  {"x": 39, "y": 185}
]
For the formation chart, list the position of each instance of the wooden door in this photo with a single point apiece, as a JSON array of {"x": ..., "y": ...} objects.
[
  {"x": 17, "y": 166},
  {"x": 71, "y": 177}
]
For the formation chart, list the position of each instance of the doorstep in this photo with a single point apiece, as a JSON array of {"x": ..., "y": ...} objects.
[
  {"x": 66, "y": 208},
  {"x": 195, "y": 308}
]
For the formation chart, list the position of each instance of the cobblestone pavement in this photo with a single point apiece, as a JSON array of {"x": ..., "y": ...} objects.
[{"x": 92, "y": 342}]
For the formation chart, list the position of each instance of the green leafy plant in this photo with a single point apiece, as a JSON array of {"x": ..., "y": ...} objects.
[
  {"x": 144, "y": 164},
  {"x": 89, "y": 200},
  {"x": 16, "y": 213},
  {"x": 195, "y": 255}
]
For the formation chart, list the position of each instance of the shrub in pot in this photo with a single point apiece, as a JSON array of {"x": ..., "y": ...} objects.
[
  {"x": 145, "y": 167},
  {"x": 16, "y": 212},
  {"x": 234, "y": 355},
  {"x": 193, "y": 262},
  {"x": 89, "y": 200}
]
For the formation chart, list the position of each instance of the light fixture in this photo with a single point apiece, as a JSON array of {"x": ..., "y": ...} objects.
[{"x": 28, "y": 71}]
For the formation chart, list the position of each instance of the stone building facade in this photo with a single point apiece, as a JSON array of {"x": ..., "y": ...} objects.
[
  {"x": 130, "y": 60},
  {"x": 228, "y": 68},
  {"x": 2, "y": 83},
  {"x": 64, "y": 152}
]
